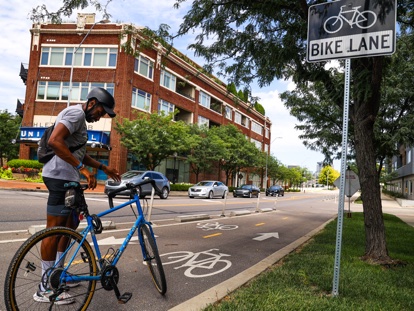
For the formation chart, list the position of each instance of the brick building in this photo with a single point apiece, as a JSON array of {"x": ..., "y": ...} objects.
[{"x": 69, "y": 59}]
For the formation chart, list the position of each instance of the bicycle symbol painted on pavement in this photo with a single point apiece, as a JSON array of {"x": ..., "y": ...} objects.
[
  {"x": 207, "y": 226},
  {"x": 198, "y": 265},
  {"x": 363, "y": 20}
]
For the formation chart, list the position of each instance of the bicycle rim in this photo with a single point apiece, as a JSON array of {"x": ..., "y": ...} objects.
[
  {"x": 25, "y": 272},
  {"x": 152, "y": 259}
]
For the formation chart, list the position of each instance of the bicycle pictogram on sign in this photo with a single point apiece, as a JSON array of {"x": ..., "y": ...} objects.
[{"x": 363, "y": 20}]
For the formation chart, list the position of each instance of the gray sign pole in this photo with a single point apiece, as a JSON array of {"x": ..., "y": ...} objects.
[{"x": 337, "y": 264}]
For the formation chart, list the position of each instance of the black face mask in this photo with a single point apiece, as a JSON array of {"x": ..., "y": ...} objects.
[{"x": 88, "y": 112}]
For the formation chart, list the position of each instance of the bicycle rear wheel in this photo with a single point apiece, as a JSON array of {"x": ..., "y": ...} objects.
[
  {"x": 25, "y": 274},
  {"x": 152, "y": 259}
]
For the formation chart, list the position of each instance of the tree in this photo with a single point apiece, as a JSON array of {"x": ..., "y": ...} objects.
[
  {"x": 266, "y": 40},
  {"x": 153, "y": 138},
  {"x": 9, "y": 128},
  {"x": 208, "y": 151},
  {"x": 328, "y": 175}
]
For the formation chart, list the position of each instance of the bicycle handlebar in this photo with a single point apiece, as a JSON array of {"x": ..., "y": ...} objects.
[{"x": 127, "y": 186}]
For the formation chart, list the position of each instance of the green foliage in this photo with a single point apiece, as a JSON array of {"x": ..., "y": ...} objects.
[
  {"x": 303, "y": 279},
  {"x": 328, "y": 175},
  {"x": 153, "y": 138},
  {"x": 180, "y": 187},
  {"x": 6, "y": 174},
  {"x": 17, "y": 163},
  {"x": 9, "y": 129},
  {"x": 259, "y": 108}
]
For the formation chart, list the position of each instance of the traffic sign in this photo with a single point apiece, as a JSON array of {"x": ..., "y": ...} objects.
[
  {"x": 351, "y": 28},
  {"x": 351, "y": 183}
]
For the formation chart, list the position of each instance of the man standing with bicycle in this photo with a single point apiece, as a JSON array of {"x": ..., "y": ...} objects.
[{"x": 66, "y": 166}]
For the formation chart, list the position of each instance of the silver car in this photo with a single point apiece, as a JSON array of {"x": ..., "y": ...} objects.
[
  {"x": 208, "y": 189},
  {"x": 137, "y": 176}
]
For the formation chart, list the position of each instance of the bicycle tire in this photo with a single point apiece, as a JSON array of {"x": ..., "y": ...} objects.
[
  {"x": 366, "y": 16},
  {"x": 329, "y": 24},
  {"x": 25, "y": 272},
  {"x": 152, "y": 259}
]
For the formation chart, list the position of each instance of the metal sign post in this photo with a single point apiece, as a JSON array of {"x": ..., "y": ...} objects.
[{"x": 337, "y": 263}]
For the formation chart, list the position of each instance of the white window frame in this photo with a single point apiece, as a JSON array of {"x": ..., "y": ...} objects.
[
  {"x": 168, "y": 80},
  {"x": 142, "y": 60},
  {"x": 204, "y": 99},
  {"x": 165, "y": 106},
  {"x": 140, "y": 96}
]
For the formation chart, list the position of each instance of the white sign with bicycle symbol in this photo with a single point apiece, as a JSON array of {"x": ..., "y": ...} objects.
[{"x": 345, "y": 29}]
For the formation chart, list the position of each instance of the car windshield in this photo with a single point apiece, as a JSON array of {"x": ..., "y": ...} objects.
[
  {"x": 130, "y": 174},
  {"x": 246, "y": 186},
  {"x": 205, "y": 183}
]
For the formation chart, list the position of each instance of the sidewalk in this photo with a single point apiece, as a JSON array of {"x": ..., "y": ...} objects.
[{"x": 33, "y": 186}]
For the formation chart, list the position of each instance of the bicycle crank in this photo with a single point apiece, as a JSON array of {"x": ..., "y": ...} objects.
[{"x": 110, "y": 278}]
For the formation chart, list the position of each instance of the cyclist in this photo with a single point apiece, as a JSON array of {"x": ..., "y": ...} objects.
[{"x": 70, "y": 130}]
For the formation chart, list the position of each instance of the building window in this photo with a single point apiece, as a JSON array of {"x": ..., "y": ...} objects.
[
  {"x": 204, "y": 99},
  {"x": 202, "y": 121},
  {"x": 237, "y": 117},
  {"x": 141, "y": 99},
  {"x": 144, "y": 66},
  {"x": 168, "y": 80},
  {"x": 53, "y": 90},
  {"x": 408, "y": 156},
  {"x": 257, "y": 143},
  {"x": 166, "y": 107},
  {"x": 228, "y": 112},
  {"x": 85, "y": 56},
  {"x": 257, "y": 128},
  {"x": 267, "y": 132}
]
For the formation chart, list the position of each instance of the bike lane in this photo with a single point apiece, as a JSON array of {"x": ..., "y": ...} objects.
[{"x": 202, "y": 262}]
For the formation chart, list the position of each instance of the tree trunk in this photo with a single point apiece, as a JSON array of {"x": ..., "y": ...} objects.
[{"x": 365, "y": 113}]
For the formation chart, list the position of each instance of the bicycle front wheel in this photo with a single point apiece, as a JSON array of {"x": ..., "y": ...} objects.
[
  {"x": 333, "y": 24},
  {"x": 152, "y": 259},
  {"x": 24, "y": 275}
]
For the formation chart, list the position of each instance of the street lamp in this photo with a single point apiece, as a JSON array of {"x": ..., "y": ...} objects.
[
  {"x": 267, "y": 156},
  {"x": 104, "y": 21}
]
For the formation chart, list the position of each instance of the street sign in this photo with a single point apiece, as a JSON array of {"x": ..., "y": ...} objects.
[
  {"x": 351, "y": 183},
  {"x": 351, "y": 28}
]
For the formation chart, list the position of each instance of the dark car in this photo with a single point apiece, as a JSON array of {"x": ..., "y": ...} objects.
[
  {"x": 137, "y": 176},
  {"x": 275, "y": 191},
  {"x": 246, "y": 191}
]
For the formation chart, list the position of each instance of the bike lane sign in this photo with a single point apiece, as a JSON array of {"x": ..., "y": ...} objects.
[{"x": 349, "y": 29}]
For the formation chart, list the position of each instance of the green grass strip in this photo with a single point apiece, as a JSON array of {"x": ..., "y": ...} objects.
[{"x": 303, "y": 281}]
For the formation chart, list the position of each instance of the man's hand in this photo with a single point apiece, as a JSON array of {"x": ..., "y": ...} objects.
[
  {"x": 112, "y": 173},
  {"x": 89, "y": 177}
]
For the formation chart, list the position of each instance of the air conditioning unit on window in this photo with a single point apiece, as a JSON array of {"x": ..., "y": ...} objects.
[{"x": 85, "y": 18}]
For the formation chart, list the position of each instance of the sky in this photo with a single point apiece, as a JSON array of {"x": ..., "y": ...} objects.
[{"x": 15, "y": 42}]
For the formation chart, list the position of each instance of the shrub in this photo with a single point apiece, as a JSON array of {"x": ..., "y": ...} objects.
[
  {"x": 180, "y": 187},
  {"x": 6, "y": 174},
  {"x": 18, "y": 163}
]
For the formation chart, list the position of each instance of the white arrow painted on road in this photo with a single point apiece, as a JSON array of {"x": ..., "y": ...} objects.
[
  {"x": 113, "y": 241},
  {"x": 265, "y": 236}
]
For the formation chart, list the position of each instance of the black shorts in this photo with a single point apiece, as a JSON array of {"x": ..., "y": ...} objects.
[{"x": 56, "y": 200}]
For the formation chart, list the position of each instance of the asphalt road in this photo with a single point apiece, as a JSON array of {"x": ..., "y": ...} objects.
[{"x": 217, "y": 254}]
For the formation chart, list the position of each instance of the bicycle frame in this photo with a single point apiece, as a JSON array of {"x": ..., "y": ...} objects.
[{"x": 89, "y": 229}]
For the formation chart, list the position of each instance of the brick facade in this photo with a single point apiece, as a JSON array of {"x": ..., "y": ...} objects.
[{"x": 124, "y": 80}]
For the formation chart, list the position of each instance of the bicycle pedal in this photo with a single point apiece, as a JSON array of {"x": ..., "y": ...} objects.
[{"x": 124, "y": 298}]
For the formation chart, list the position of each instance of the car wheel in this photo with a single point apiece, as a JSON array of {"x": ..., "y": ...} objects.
[
  {"x": 224, "y": 194},
  {"x": 267, "y": 194},
  {"x": 210, "y": 195},
  {"x": 164, "y": 193},
  {"x": 234, "y": 195}
]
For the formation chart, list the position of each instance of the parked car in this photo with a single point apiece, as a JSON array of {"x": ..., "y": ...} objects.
[
  {"x": 275, "y": 191},
  {"x": 208, "y": 189},
  {"x": 137, "y": 176},
  {"x": 246, "y": 191}
]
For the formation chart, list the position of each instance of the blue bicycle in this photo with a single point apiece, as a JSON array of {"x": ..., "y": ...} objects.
[{"x": 72, "y": 280}]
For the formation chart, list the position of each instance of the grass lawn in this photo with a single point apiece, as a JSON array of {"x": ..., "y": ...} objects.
[{"x": 303, "y": 280}]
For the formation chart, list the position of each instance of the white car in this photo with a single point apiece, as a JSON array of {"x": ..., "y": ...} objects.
[{"x": 208, "y": 189}]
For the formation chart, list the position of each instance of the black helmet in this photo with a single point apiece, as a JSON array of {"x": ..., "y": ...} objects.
[{"x": 104, "y": 98}]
